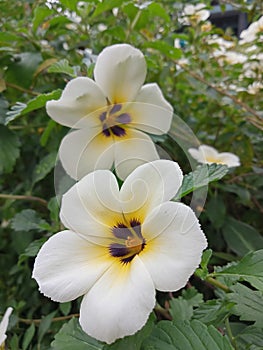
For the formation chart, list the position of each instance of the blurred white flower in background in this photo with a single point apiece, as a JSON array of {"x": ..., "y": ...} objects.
[
  {"x": 194, "y": 14},
  {"x": 253, "y": 32},
  {"x": 209, "y": 155}
]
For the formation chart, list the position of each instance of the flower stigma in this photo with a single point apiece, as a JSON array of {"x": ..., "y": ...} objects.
[
  {"x": 113, "y": 121},
  {"x": 129, "y": 243}
]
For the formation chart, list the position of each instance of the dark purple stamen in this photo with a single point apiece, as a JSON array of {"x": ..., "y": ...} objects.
[
  {"x": 136, "y": 225},
  {"x": 103, "y": 116},
  {"x": 123, "y": 118},
  {"x": 115, "y": 109},
  {"x": 118, "y": 130},
  {"x": 118, "y": 250},
  {"x": 121, "y": 231}
]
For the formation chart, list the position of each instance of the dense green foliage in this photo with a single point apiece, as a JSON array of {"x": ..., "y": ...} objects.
[{"x": 41, "y": 48}]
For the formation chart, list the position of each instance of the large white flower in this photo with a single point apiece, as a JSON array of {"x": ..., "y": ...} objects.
[
  {"x": 121, "y": 245},
  {"x": 4, "y": 325},
  {"x": 194, "y": 14},
  {"x": 112, "y": 114},
  {"x": 209, "y": 155},
  {"x": 253, "y": 32}
]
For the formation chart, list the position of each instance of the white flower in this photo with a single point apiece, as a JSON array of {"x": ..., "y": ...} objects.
[
  {"x": 4, "y": 325},
  {"x": 222, "y": 44},
  {"x": 112, "y": 114},
  {"x": 254, "y": 88},
  {"x": 121, "y": 245},
  {"x": 209, "y": 155},
  {"x": 193, "y": 14},
  {"x": 252, "y": 32},
  {"x": 230, "y": 57}
]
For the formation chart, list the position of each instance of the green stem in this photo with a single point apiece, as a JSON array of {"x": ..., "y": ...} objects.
[
  {"x": 28, "y": 198},
  {"x": 217, "y": 284},
  {"x": 39, "y": 320},
  {"x": 230, "y": 334},
  {"x": 20, "y": 88}
]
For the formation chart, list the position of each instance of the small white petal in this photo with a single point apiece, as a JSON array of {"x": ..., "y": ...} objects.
[
  {"x": 230, "y": 159},
  {"x": 4, "y": 325},
  {"x": 120, "y": 71},
  {"x": 67, "y": 266},
  {"x": 86, "y": 150},
  {"x": 151, "y": 112},
  {"x": 134, "y": 149},
  {"x": 92, "y": 205},
  {"x": 174, "y": 245},
  {"x": 80, "y": 98},
  {"x": 119, "y": 303},
  {"x": 149, "y": 185}
]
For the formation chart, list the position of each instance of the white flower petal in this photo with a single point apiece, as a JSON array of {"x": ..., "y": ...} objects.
[
  {"x": 149, "y": 185},
  {"x": 135, "y": 149},
  {"x": 80, "y": 97},
  {"x": 174, "y": 245},
  {"x": 4, "y": 324},
  {"x": 120, "y": 71},
  {"x": 85, "y": 150},
  {"x": 119, "y": 303},
  {"x": 151, "y": 112},
  {"x": 67, "y": 266},
  {"x": 92, "y": 205},
  {"x": 230, "y": 159}
]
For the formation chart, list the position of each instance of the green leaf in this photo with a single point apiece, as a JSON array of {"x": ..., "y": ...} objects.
[
  {"x": 27, "y": 220},
  {"x": 105, "y": 6},
  {"x": 3, "y": 108},
  {"x": 192, "y": 296},
  {"x": 213, "y": 312},
  {"x": 180, "y": 309},
  {"x": 40, "y": 13},
  {"x": 44, "y": 167},
  {"x": 249, "y": 269},
  {"x": 165, "y": 48},
  {"x": 216, "y": 211},
  {"x": 65, "y": 308},
  {"x": 202, "y": 176},
  {"x": 28, "y": 336},
  {"x": 248, "y": 304},
  {"x": 250, "y": 335},
  {"x": 38, "y": 102},
  {"x": 45, "y": 325},
  {"x": 32, "y": 249},
  {"x": 62, "y": 66},
  {"x": 9, "y": 149},
  {"x": 203, "y": 271},
  {"x": 240, "y": 237},
  {"x": 192, "y": 335},
  {"x": 71, "y": 336}
]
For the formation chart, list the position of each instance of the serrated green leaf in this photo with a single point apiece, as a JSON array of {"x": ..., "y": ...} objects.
[
  {"x": 248, "y": 304},
  {"x": 251, "y": 335},
  {"x": 44, "y": 167},
  {"x": 3, "y": 109},
  {"x": 213, "y": 312},
  {"x": 9, "y": 149},
  {"x": 71, "y": 336},
  {"x": 38, "y": 102},
  {"x": 165, "y": 48},
  {"x": 62, "y": 66},
  {"x": 240, "y": 237},
  {"x": 249, "y": 269},
  {"x": 27, "y": 220},
  {"x": 192, "y": 335},
  {"x": 180, "y": 309},
  {"x": 28, "y": 336},
  {"x": 192, "y": 296},
  {"x": 202, "y": 176}
]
